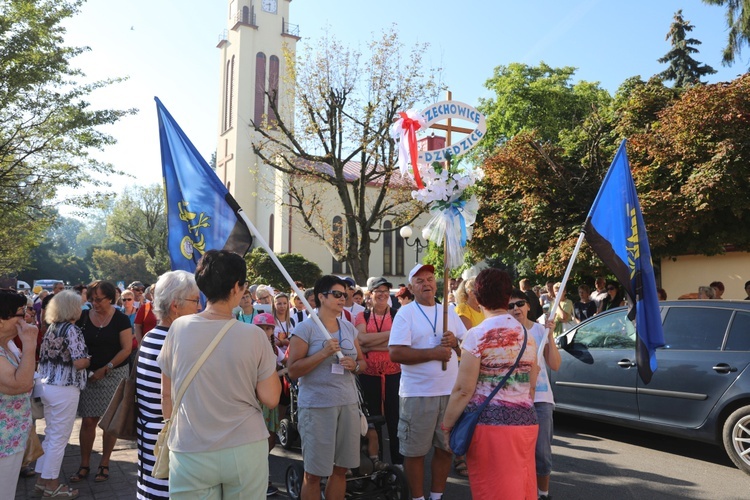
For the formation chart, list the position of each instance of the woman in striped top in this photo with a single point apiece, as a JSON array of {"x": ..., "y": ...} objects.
[{"x": 176, "y": 295}]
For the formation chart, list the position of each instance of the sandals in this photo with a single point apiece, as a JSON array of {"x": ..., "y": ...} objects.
[
  {"x": 83, "y": 473},
  {"x": 59, "y": 492},
  {"x": 459, "y": 465},
  {"x": 102, "y": 476}
]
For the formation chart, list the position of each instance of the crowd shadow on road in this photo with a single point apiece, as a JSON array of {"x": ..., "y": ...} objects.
[{"x": 580, "y": 474}]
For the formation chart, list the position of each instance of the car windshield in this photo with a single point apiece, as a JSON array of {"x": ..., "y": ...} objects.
[{"x": 609, "y": 331}]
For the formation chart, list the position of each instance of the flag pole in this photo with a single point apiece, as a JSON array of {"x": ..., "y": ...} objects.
[
  {"x": 446, "y": 291},
  {"x": 572, "y": 261},
  {"x": 264, "y": 245}
]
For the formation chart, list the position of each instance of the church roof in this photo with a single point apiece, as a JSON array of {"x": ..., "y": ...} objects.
[{"x": 353, "y": 170}]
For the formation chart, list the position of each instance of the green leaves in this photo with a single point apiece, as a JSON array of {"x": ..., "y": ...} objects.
[{"x": 47, "y": 129}]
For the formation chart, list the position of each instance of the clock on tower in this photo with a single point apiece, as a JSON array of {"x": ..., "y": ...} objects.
[{"x": 270, "y": 6}]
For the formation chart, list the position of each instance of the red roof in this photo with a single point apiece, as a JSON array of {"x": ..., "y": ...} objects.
[{"x": 353, "y": 170}]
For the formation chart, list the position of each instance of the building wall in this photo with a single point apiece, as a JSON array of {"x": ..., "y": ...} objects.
[{"x": 684, "y": 274}]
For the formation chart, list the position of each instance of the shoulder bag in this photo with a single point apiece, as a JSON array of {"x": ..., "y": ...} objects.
[
  {"x": 120, "y": 417},
  {"x": 463, "y": 429},
  {"x": 161, "y": 448}
]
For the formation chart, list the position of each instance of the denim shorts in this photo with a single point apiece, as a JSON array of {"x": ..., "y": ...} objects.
[{"x": 544, "y": 439}]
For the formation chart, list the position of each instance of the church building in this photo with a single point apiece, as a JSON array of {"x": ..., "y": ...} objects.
[{"x": 252, "y": 55}]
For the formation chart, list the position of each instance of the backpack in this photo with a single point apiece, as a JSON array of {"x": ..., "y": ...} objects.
[{"x": 366, "y": 312}]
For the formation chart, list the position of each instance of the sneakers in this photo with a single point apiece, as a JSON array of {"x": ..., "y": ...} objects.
[
  {"x": 545, "y": 497},
  {"x": 272, "y": 490}
]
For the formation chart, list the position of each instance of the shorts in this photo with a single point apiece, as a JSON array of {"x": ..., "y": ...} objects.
[
  {"x": 543, "y": 452},
  {"x": 419, "y": 425},
  {"x": 330, "y": 436}
]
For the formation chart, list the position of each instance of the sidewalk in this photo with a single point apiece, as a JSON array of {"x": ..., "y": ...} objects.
[{"x": 122, "y": 469}]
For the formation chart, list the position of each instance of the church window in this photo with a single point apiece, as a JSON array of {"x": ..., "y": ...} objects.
[
  {"x": 260, "y": 87},
  {"x": 270, "y": 232},
  {"x": 399, "y": 255},
  {"x": 338, "y": 240},
  {"x": 387, "y": 243},
  {"x": 273, "y": 88},
  {"x": 231, "y": 92}
]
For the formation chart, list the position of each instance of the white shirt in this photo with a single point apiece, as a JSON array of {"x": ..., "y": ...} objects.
[
  {"x": 543, "y": 392},
  {"x": 421, "y": 327}
]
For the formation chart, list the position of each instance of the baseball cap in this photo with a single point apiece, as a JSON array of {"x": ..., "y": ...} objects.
[
  {"x": 349, "y": 281},
  {"x": 420, "y": 267},
  {"x": 379, "y": 282},
  {"x": 136, "y": 284},
  {"x": 264, "y": 319}
]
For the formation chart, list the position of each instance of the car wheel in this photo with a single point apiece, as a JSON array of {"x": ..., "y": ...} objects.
[
  {"x": 287, "y": 434},
  {"x": 294, "y": 476},
  {"x": 736, "y": 436}
]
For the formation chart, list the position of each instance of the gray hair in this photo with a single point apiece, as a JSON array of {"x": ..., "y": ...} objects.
[
  {"x": 172, "y": 286},
  {"x": 64, "y": 306}
]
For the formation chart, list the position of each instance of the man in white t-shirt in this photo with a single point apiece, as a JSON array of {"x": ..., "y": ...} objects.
[{"x": 418, "y": 342}]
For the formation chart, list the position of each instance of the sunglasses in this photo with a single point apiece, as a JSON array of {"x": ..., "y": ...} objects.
[
  {"x": 20, "y": 315},
  {"x": 336, "y": 294},
  {"x": 610, "y": 288},
  {"x": 126, "y": 300},
  {"x": 513, "y": 305}
]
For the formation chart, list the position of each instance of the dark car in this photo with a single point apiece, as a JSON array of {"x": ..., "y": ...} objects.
[{"x": 701, "y": 389}]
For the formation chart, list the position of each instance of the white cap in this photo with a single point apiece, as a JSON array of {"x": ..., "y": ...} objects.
[{"x": 419, "y": 267}]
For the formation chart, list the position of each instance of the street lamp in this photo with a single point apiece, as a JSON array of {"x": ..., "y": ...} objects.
[{"x": 406, "y": 233}]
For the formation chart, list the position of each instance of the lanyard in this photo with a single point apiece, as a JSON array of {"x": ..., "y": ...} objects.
[
  {"x": 382, "y": 320},
  {"x": 281, "y": 325},
  {"x": 433, "y": 324}
]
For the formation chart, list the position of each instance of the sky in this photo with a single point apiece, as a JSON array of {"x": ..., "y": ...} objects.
[{"x": 167, "y": 48}]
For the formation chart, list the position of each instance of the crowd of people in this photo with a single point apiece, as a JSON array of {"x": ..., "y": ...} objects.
[{"x": 389, "y": 345}]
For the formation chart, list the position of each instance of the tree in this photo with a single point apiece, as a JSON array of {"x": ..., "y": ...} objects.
[
  {"x": 538, "y": 98},
  {"x": 112, "y": 266},
  {"x": 692, "y": 172},
  {"x": 738, "y": 22},
  {"x": 47, "y": 129},
  {"x": 262, "y": 270},
  {"x": 139, "y": 220},
  {"x": 683, "y": 69},
  {"x": 344, "y": 108},
  {"x": 550, "y": 143}
]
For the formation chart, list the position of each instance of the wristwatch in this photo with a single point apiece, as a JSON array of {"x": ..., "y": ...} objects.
[
  {"x": 357, "y": 368},
  {"x": 110, "y": 366}
]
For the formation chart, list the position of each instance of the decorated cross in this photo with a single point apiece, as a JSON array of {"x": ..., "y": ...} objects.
[{"x": 445, "y": 189}]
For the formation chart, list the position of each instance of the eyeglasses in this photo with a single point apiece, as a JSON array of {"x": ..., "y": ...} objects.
[
  {"x": 100, "y": 299},
  {"x": 126, "y": 300},
  {"x": 382, "y": 292},
  {"x": 336, "y": 294},
  {"x": 138, "y": 289},
  {"x": 197, "y": 301},
  {"x": 519, "y": 304}
]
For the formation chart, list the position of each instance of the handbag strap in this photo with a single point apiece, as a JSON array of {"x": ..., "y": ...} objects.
[
  {"x": 199, "y": 363},
  {"x": 507, "y": 375}
]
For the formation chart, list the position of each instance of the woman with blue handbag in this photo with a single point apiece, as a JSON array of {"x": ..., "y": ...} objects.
[{"x": 495, "y": 389}]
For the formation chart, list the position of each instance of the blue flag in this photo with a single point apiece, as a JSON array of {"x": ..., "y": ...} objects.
[
  {"x": 201, "y": 214},
  {"x": 615, "y": 230}
]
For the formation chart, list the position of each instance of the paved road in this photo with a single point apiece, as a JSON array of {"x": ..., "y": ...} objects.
[{"x": 591, "y": 461}]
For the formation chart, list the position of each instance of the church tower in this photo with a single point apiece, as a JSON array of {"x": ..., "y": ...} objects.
[{"x": 253, "y": 62}]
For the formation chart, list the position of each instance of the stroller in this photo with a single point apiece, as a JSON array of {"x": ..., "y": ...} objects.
[{"x": 365, "y": 483}]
